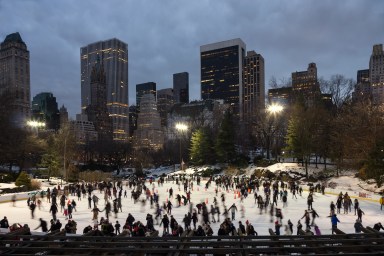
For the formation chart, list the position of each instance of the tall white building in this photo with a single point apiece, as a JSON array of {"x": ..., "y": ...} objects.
[{"x": 149, "y": 133}]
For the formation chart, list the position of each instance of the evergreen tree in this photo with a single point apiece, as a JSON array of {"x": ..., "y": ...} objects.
[
  {"x": 300, "y": 137},
  {"x": 201, "y": 147},
  {"x": 225, "y": 145},
  {"x": 23, "y": 180},
  {"x": 50, "y": 159}
]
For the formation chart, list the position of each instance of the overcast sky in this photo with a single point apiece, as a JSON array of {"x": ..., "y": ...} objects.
[{"x": 164, "y": 37}]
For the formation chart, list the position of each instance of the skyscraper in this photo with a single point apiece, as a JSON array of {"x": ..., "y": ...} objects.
[
  {"x": 97, "y": 111},
  {"x": 142, "y": 89},
  {"x": 44, "y": 109},
  {"x": 376, "y": 74},
  {"x": 222, "y": 72},
  {"x": 181, "y": 87},
  {"x": 15, "y": 77},
  {"x": 165, "y": 101},
  {"x": 113, "y": 53},
  {"x": 254, "y": 84}
]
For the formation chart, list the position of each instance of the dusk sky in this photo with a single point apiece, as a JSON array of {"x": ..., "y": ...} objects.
[{"x": 164, "y": 37}]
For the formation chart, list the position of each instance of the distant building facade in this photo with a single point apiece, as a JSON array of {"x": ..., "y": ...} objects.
[
  {"x": 370, "y": 82},
  {"x": 83, "y": 129},
  {"x": 305, "y": 88},
  {"x": 133, "y": 113},
  {"x": 280, "y": 96},
  {"x": 142, "y": 89},
  {"x": 15, "y": 76},
  {"x": 149, "y": 133},
  {"x": 97, "y": 111},
  {"x": 63, "y": 116},
  {"x": 181, "y": 87},
  {"x": 44, "y": 109},
  {"x": 305, "y": 84},
  {"x": 113, "y": 53},
  {"x": 165, "y": 102},
  {"x": 254, "y": 85},
  {"x": 222, "y": 72},
  {"x": 376, "y": 74},
  {"x": 363, "y": 86}
]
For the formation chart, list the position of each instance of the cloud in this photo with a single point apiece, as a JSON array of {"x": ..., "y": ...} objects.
[{"x": 164, "y": 37}]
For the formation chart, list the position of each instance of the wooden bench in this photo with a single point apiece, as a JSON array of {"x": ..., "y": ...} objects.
[{"x": 183, "y": 238}]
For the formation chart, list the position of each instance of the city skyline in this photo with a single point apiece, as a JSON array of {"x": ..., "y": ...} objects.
[{"x": 289, "y": 35}]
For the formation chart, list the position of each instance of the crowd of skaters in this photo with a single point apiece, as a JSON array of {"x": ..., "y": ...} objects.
[{"x": 267, "y": 194}]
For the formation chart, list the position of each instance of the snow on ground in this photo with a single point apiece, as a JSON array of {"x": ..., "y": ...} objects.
[{"x": 262, "y": 222}]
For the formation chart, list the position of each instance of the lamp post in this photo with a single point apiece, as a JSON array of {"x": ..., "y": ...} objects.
[
  {"x": 273, "y": 110},
  {"x": 181, "y": 128}
]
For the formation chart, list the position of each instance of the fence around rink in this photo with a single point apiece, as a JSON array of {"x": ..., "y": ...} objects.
[{"x": 60, "y": 244}]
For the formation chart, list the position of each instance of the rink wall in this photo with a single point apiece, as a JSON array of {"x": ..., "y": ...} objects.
[{"x": 368, "y": 196}]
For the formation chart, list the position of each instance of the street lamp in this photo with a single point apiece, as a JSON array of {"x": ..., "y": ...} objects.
[
  {"x": 181, "y": 128},
  {"x": 35, "y": 125},
  {"x": 273, "y": 110}
]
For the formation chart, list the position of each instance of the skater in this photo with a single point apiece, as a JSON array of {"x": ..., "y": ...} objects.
[
  {"x": 307, "y": 219},
  {"x": 290, "y": 225},
  {"x": 334, "y": 221},
  {"x": 233, "y": 209},
  {"x": 54, "y": 211},
  {"x": 165, "y": 222},
  {"x": 277, "y": 228},
  {"x": 95, "y": 212},
  {"x": 117, "y": 228},
  {"x": 314, "y": 215},
  {"x": 32, "y": 207},
  {"x": 43, "y": 225},
  {"x": 356, "y": 205},
  {"x": 360, "y": 214},
  {"x": 299, "y": 227}
]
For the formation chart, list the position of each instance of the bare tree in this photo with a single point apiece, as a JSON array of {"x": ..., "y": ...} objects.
[
  {"x": 279, "y": 82},
  {"x": 339, "y": 87}
]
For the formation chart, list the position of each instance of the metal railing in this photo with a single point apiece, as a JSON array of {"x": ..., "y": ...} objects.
[{"x": 61, "y": 244}]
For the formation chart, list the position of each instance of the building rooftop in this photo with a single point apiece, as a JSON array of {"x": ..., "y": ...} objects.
[{"x": 14, "y": 37}]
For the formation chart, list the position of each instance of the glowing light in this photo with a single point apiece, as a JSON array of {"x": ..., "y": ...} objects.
[
  {"x": 275, "y": 108},
  {"x": 181, "y": 127},
  {"x": 35, "y": 124}
]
